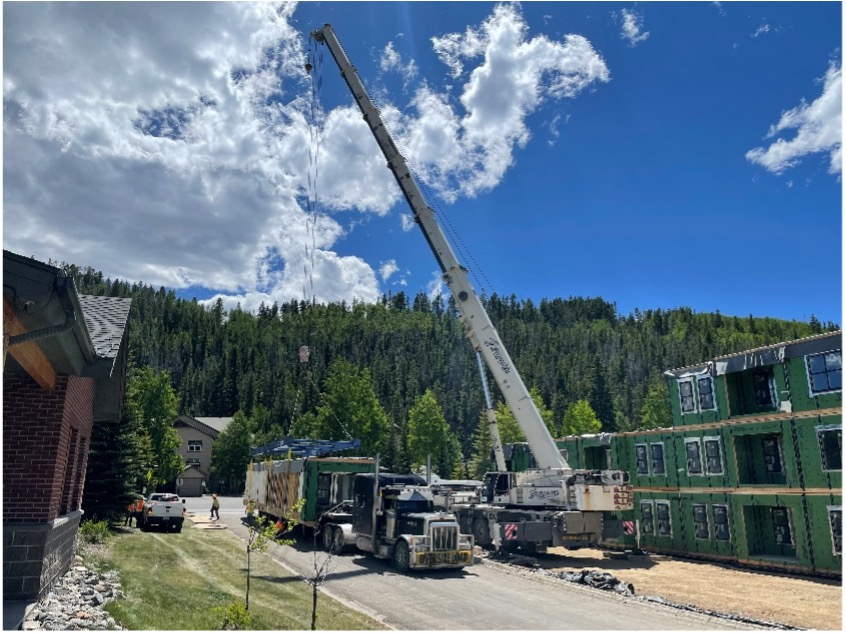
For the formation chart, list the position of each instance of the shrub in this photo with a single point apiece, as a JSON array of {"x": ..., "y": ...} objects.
[
  {"x": 233, "y": 617},
  {"x": 93, "y": 532}
]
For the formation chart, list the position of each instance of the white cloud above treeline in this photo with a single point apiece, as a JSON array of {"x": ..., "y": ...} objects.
[
  {"x": 818, "y": 129},
  {"x": 165, "y": 143},
  {"x": 632, "y": 29}
]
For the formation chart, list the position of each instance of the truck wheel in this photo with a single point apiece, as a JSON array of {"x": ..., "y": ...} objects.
[
  {"x": 328, "y": 535},
  {"x": 401, "y": 556},
  {"x": 337, "y": 540},
  {"x": 481, "y": 533}
]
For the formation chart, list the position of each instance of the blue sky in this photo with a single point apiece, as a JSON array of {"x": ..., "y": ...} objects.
[{"x": 654, "y": 154}]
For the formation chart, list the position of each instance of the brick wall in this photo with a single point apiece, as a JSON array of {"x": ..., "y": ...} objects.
[{"x": 46, "y": 435}]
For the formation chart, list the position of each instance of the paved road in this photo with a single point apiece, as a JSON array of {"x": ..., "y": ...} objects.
[{"x": 481, "y": 597}]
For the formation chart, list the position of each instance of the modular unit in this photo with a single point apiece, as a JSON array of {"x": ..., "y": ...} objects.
[{"x": 751, "y": 469}]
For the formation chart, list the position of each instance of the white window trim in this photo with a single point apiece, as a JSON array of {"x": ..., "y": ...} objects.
[
  {"x": 829, "y": 509},
  {"x": 669, "y": 518},
  {"x": 663, "y": 458},
  {"x": 728, "y": 524},
  {"x": 811, "y": 392},
  {"x": 698, "y": 441},
  {"x": 817, "y": 430},
  {"x": 705, "y": 456},
  {"x": 195, "y": 441}
]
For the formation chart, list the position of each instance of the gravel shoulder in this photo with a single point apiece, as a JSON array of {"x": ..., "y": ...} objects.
[{"x": 790, "y": 600}]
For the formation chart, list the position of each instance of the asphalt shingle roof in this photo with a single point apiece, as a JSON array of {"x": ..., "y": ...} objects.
[{"x": 105, "y": 319}]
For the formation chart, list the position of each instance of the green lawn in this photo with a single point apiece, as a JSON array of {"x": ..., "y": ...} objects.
[{"x": 175, "y": 581}]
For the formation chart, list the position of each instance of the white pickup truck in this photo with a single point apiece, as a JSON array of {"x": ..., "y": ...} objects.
[{"x": 163, "y": 510}]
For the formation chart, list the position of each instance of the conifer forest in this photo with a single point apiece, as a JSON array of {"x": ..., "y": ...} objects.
[{"x": 221, "y": 362}]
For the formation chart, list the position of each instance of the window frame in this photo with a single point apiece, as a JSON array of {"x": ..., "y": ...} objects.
[
  {"x": 777, "y": 438},
  {"x": 790, "y": 531},
  {"x": 664, "y": 503},
  {"x": 809, "y": 374},
  {"x": 651, "y": 505},
  {"x": 829, "y": 428},
  {"x": 193, "y": 462},
  {"x": 727, "y": 523},
  {"x": 712, "y": 392},
  {"x": 652, "y": 459},
  {"x": 698, "y": 442},
  {"x": 707, "y": 465},
  {"x": 193, "y": 449},
  {"x": 645, "y": 463},
  {"x": 767, "y": 376},
  {"x": 839, "y": 510},
  {"x": 692, "y": 396},
  {"x": 698, "y": 523}
]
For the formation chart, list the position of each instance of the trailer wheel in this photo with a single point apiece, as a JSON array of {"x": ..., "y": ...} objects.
[
  {"x": 401, "y": 556},
  {"x": 481, "y": 533}
]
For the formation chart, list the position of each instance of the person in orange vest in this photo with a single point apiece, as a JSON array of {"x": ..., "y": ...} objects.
[
  {"x": 215, "y": 508},
  {"x": 134, "y": 511}
]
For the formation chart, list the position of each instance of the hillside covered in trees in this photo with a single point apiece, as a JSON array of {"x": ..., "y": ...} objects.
[{"x": 222, "y": 362}]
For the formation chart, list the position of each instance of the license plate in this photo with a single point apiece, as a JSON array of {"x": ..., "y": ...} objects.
[
  {"x": 576, "y": 537},
  {"x": 443, "y": 557}
]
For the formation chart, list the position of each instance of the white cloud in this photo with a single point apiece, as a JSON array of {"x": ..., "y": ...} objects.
[
  {"x": 818, "y": 128},
  {"x": 764, "y": 28},
  {"x": 632, "y": 30},
  {"x": 392, "y": 61},
  {"x": 169, "y": 143},
  {"x": 407, "y": 222},
  {"x": 387, "y": 269}
]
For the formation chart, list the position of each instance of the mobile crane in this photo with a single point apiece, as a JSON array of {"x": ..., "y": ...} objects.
[{"x": 553, "y": 505}]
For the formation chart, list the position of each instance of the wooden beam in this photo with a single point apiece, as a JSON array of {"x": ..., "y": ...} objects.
[{"x": 29, "y": 355}]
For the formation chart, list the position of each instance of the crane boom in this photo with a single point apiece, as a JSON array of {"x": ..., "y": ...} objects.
[{"x": 478, "y": 326}]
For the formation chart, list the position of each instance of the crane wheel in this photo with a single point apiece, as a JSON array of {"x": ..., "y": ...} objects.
[
  {"x": 481, "y": 532},
  {"x": 328, "y": 535},
  {"x": 337, "y": 540}
]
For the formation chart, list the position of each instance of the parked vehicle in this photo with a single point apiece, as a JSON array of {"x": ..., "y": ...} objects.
[{"x": 163, "y": 510}]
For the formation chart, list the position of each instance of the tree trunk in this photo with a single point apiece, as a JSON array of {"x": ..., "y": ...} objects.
[
  {"x": 247, "y": 604},
  {"x": 314, "y": 605}
]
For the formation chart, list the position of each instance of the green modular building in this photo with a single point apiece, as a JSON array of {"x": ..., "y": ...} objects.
[{"x": 750, "y": 471}]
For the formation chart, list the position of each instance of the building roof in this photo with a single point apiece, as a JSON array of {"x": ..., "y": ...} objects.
[
  {"x": 304, "y": 447},
  {"x": 105, "y": 319},
  {"x": 762, "y": 355},
  {"x": 211, "y": 426}
]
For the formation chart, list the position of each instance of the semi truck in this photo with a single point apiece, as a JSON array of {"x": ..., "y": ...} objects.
[
  {"x": 345, "y": 505},
  {"x": 553, "y": 504}
]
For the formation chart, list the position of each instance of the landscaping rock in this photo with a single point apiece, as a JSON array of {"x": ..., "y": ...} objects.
[{"x": 75, "y": 603}]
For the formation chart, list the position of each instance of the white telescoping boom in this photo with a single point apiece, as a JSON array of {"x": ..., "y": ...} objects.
[{"x": 479, "y": 328}]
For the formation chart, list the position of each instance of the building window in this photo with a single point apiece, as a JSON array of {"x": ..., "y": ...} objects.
[
  {"x": 772, "y": 454},
  {"x": 662, "y": 512},
  {"x": 764, "y": 384},
  {"x": 647, "y": 523},
  {"x": 721, "y": 522},
  {"x": 688, "y": 403},
  {"x": 193, "y": 463},
  {"x": 700, "y": 521},
  {"x": 781, "y": 526},
  {"x": 195, "y": 446},
  {"x": 824, "y": 372},
  {"x": 657, "y": 458},
  {"x": 706, "y": 393},
  {"x": 693, "y": 450},
  {"x": 830, "y": 448},
  {"x": 642, "y": 461},
  {"x": 835, "y": 520},
  {"x": 713, "y": 455}
]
